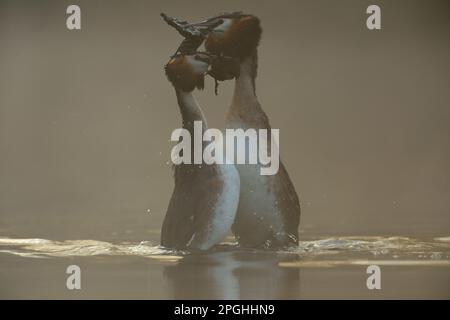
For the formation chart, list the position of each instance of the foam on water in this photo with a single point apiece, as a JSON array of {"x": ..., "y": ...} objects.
[
  {"x": 327, "y": 252},
  {"x": 41, "y": 248},
  {"x": 386, "y": 251}
]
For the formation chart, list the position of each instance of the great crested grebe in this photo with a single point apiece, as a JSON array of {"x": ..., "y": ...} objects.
[
  {"x": 205, "y": 197},
  {"x": 268, "y": 214}
]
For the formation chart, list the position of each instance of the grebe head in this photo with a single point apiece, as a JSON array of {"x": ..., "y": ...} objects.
[
  {"x": 187, "y": 72},
  {"x": 236, "y": 37}
]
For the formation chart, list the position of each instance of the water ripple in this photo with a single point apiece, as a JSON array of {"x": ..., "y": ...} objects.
[
  {"x": 332, "y": 251},
  {"x": 39, "y": 248}
]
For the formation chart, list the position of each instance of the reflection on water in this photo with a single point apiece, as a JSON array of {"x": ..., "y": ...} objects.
[
  {"x": 317, "y": 268},
  {"x": 233, "y": 275}
]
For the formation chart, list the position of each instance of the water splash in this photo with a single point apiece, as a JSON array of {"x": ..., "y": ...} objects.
[
  {"x": 327, "y": 252},
  {"x": 376, "y": 246},
  {"x": 386, "y": 251},
  {"x": 41, "y": 248}
]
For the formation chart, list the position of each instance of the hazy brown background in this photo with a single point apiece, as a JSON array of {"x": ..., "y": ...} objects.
[{"x": 85, "y": 116}]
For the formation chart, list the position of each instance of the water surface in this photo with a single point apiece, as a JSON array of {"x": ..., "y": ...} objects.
[{"x": 324, "y": 267}]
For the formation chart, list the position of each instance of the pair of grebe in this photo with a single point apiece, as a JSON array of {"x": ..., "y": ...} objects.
[{"x": 209, "y": 200}]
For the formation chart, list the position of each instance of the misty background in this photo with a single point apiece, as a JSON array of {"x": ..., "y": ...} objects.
[{"x": 86, "y": 116}]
